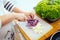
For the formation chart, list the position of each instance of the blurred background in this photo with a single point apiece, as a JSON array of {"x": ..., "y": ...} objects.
[{"x": 25, "y": 5}]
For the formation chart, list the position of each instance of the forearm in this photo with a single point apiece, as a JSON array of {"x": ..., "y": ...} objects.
[
  {"x": 7, "y": 18},
  {"x": 16, "y": 10}
]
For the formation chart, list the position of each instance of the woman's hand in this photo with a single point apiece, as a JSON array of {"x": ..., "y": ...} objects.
[
  {"x": 20, "y": 16},
  {"x": 29, "y": 15}
]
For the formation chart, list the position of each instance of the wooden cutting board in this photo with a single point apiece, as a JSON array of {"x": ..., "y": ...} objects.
[
  {"x": 31, "y": 34},
  {"x": 52, "y": 27}
]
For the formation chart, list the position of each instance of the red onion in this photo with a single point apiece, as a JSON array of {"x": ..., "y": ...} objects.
[{"x": 32, "y": 22}]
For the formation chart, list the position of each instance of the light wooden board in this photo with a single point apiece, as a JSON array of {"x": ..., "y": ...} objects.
[{"x": 31, "y": 34}]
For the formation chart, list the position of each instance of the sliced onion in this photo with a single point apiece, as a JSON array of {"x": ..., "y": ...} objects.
[{"x": 32, "y": 22}]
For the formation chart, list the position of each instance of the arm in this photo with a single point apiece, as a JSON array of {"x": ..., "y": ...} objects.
[
  {"x": 10, "y": 17},
  {"x": 10, "y": 7},
  {"x": 17, "y": 10},
  {"x": 7, "y": 18},
  {"x": 30, "y": 15}
]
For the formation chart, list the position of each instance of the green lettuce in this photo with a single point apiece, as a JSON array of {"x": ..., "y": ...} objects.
[{"x": 48, "y": 9}]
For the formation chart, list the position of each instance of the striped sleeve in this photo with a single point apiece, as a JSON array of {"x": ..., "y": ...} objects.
[{"x": 8, "y": 5}]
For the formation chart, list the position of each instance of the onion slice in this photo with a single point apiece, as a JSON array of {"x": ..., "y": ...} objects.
[{"x": 32, "y": 22}]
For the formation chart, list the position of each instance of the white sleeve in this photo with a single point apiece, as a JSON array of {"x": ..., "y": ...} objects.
[
  {"x": 0, "y": 23},
  {"x": 8, "y": 5}
]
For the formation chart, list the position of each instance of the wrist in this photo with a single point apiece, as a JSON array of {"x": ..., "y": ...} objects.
[{"x": 14, "y": 14}]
